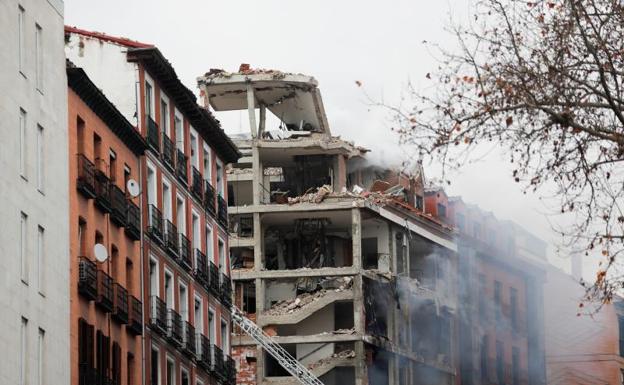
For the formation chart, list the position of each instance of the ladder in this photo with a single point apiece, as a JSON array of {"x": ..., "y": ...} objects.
[{"x": 284, "y": 358}]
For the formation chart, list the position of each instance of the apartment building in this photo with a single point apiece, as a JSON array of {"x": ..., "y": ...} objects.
[
  {"x": 327, "y": 258},
  {"x": 185, "y": 265},
  {"x": 34, "y": 252},
  {"x": 501, "y": 282},
  {"x": 106, "y": 307}
]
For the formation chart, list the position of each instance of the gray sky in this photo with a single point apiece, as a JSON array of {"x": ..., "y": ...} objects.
[{"x": 338, "y": 42}]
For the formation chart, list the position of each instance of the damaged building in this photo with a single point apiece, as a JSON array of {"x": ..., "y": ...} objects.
[{"x": 330, "y": 255}]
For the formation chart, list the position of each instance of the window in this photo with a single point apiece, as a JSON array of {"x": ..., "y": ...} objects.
[
  {"x": 130, "y": 369},
  {"x": 219, "y": 179},
  {"x": 151, "y": 185},
  {"x": 24, "y": 247},
  {"x": 170, "y": 371},
  {"x": 179, "y": 131},
  {"x": 181, "y": 215},
  {"x": 155, "y": 367},
  {"x": 21, "y": 38},
  {"x": 97, "y": 151},
  {"x": 41, "y": 358},
  {"x": 196, "y": 232},
  {"x": 149, "y": 97},
  {"x": 112, "y": 162},
  {"x": 82, "y": 231},
  {"x": 212, "y": 328},
  {"x": 169, "y": 289},
  {"x": 24, "y": 352},
  {"x": 513, "y": 298},
  {"x": 129, "y": 275},
  {"x": 515, "y": 362},
  {"x": 207, "y": 164},
  {"x": 164, "y": 116},
  {"x": 194, "y": 151},
  {"x": 40, "y": 158},
  {"x": 198, "y": 316},
  {"x": 166, "y": 190},
  {"x": 209, "y": 244},
  {"x": 460, "y": 222},
  {"x": 39, "y": 57},
  {"x": 184, "y": 377},
  {"x": 183, "y": 297},
  {"x": 153, "y": 276},
  {"x": 40, "y": 259},
  {"x": 419, "y": 202},
  {"x": 225, "y": 341},
  {"x": 114, "y": 261},
  {"x": 441, "y": 210},
  {"x": 221, "y": 255},
  {"x": 127, "y": 173},
  {"x": 500, "y": 364},
  {"x": 80, "y": 134},
  {"x": 116, "y": 364},
  {"x": 22, "y": 143}
]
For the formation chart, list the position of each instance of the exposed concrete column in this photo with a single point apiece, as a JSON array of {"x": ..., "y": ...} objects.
[
  {"x": 257, "y": 178},
  {"x": 257, "y": 238},
  {"x": 260, "y": 293},
  {"x": 341, "y": 173},
  {"x": 361, "y": 369},
  {"x": 262, "y": 124},
  {"x": 356, "y": 236},
  {"x": 251, "y": 108}
]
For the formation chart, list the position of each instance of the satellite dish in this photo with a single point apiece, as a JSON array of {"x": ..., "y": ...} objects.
[
  {"x": 100, "y": 252},
  {"x": 133, "y": 188}
]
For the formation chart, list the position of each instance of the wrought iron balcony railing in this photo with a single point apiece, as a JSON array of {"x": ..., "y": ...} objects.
[
  {"x": 199, "y": 271},
  {"x": 105, "y": 296},
  {"x": 133, "y": 221},
  {"x": 204, "y": 354},
  {"x": 230, "y": 370},
  {"x": 226, "y": 290},
  {"x": 102, "y": 191},
  {"x": 135, "y": 324},
  {"x": 196, "y": 185},
  {"x": 222, "y": 213},
  {"x": 153, "y": 135},
  {"x": 174, "y": 327},
  {"x": 215, "y": 284},
  {"x": 209, "y": 198},
  {"x": 218, "y": 364},
  {"x": 168, "y": 152},
  {"x": 158, "y": 315},
  {"x": 87, "y": 278},
  {"x": 171, "y": 238},
  {"x": 188, "y": 346},
  {"x": 185, "y": 253},
  {"x": 85, "y": 183},
  {"x": 120, "y": 303},
  {"x": 181, "y": 167},
  {"x": 155, "y": 226},
  {"x": 119, "y": 205}
]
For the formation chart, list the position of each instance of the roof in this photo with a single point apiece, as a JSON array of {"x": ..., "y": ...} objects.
[
  {"x": 160, "y": 68},
  {"x": 91, "y": 95},
  {"x": 113, "y": 39}
]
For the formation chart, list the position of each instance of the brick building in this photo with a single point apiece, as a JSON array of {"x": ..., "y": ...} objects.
[
  {"x": 184, "y": 267},
  {"x": 105, "y": 152}
]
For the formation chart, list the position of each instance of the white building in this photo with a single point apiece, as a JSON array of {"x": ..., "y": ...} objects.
[{"x": 34, "y": 202}]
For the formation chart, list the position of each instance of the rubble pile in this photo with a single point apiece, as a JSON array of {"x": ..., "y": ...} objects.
[
  {"x": 289, "y": 306},
  {"x": 345, "y": 354}
]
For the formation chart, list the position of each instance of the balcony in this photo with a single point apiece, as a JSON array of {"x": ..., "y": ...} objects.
[
  {"x": 102, "y": 191},
  {"x": 222, "y": 213},
  {"x": 188, "y": 346},
  {"x": 209, "y": 198},
  {"x": 196, "y": 185},
  {"x": 174, "y": 327},
  {"x": 158, "y": 315},
  {"x": 88, "y": 375},
  {"x": 204, "y": 357},
  {"x": 87, "y": 278},
  {"x": 181, "y": 167},
  {"x": 155, "y": 225},
  {"x": 226, "y": 290},
  {"x": 135, "y": 324},
  {"x": 199, "y": 272},
  {"x": 168, "y": 153},
  {"x": 230, "y": 370},
  {"x": 218, "y": 366},
  {"x": 133, "y": 221},
  {"x": 213, "y": 272},
  {"x": 120, "y": 303},
  {"x": 153, "y": 135},
  {"x": 185, "y": 253},
  {"x": 118, "y": 205},
  {"x": 85, "y": 183},
  {"x": 171, "y": 238},
  {"x": 105, "y": 294}
]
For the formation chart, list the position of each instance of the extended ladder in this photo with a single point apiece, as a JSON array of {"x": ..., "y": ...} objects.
[{"x": 284, "y": 358}]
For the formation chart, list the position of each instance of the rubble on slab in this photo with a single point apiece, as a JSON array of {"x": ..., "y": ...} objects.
[
  {"x": 336, "y": 285},
  {"x": 345, "y": 354}
]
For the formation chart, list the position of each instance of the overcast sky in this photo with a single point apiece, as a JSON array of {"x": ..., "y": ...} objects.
[{"x": 338, "y": 42}]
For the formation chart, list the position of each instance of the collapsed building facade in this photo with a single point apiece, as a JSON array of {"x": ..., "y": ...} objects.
[{"x": 332, "y": 257}]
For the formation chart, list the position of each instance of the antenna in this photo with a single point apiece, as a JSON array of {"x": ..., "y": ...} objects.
[
  {"x": 133, "y": 188},
  {"x": 100, "y": 252}
]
